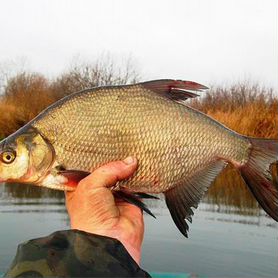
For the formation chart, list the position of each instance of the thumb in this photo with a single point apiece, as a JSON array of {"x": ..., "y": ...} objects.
[{"x": 109, "y": 174}]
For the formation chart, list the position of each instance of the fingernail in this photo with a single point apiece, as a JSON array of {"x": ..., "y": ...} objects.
[{"x": 129, "y": 160}]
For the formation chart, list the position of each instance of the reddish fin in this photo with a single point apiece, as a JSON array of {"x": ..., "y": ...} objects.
[
  {"x": 257, "y": 175},
  {"x": 177, "y": 90},
  {"x": 73, "y": 176}
]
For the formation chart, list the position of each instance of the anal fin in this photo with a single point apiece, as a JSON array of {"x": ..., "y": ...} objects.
[{"x": 182, "y": 198}]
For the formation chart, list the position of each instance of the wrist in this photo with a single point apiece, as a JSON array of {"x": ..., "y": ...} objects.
[
  {"x": 133, "y": 246},
  {"x": 133, "y": 249}
]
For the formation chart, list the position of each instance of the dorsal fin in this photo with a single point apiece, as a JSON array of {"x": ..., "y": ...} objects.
[
  {"x": 181, "y": 199},
  {"x": 177, "y": 90}
]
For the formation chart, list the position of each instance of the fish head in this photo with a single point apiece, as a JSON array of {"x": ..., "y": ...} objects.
[{"x": 25, "y": 157}]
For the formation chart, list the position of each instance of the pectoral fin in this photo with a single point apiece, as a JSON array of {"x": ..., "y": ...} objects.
[
  {"x": 145, "y": 196},
  {"x": 73, "y": 176},
  {"x": 133, "y": 199}
]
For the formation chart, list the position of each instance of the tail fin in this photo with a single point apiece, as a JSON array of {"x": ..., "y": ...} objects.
[{"x": 257, "y": 175}]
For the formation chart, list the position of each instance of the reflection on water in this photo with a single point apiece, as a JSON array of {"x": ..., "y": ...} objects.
[
  {"x": 230, "y": 235},
  {"x": 25, "y": 191},
  {"x": 228, "y": 193}
]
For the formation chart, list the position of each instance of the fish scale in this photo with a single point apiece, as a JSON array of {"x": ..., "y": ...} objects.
[
  {"x": 117, "y": 123},
  {"x": 180, "y": 151}
]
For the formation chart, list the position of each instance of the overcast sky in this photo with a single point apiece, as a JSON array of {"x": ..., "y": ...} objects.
[{"x": 210, "y": 41}]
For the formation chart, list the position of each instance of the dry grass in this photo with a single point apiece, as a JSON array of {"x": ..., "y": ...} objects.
[
  {"x": 24, "y": 97},
  {"x": 9, "y": 119},
  {"x": 247, "y": 109},
  {"x": 255, "y": 119},
  {"x": 27, "y": 94}
]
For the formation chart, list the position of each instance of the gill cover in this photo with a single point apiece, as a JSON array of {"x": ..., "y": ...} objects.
[{"x": 34, "y": 156}]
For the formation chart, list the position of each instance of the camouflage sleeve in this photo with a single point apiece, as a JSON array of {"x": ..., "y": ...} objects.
[{"x": 73, "y": 253}]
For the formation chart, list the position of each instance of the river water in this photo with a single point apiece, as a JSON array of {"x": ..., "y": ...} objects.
[{"x": 230, "y": 235}]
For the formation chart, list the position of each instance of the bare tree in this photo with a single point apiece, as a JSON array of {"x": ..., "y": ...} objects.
[
  {"x": 102, "y": 72},
  {"x": 26, "y": 94},
  {"x": 9, "y": 69}
]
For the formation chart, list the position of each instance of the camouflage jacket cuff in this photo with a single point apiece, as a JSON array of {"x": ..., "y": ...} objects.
[{"x": 73, "y": 253}]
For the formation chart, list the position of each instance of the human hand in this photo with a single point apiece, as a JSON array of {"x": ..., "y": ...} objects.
[{"x": 92, "y": 207}]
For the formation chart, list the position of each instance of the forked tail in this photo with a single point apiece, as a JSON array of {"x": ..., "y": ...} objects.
[{"x": 257, "y": 175}]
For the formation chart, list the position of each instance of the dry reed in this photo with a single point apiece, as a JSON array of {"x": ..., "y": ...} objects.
[
  {"x": 247, "y": 109},
  {"x": 25, "y": 95}
]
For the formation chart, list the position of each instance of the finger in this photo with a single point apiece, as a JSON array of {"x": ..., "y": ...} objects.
[
  {"x": 69, "y": 195},
  {"x": 108, "y": 174},
  {"x": 130, "y": 211}
]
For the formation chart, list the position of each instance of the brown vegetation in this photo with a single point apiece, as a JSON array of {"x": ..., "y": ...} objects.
[
  {"x": 26, "y": 94},
  {"x": 247, "y": 109}
]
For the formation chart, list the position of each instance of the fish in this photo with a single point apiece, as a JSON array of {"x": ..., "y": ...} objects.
[{"x": 180, "y": 150}]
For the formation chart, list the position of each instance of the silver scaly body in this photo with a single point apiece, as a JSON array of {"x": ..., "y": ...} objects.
[{"x": 170, "y": 140}]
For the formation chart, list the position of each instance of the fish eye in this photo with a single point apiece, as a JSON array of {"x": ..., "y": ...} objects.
[{"x": 8, "y": 156}]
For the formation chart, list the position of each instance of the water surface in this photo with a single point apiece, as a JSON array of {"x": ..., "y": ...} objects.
[{"x": 229, "y": 237}]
